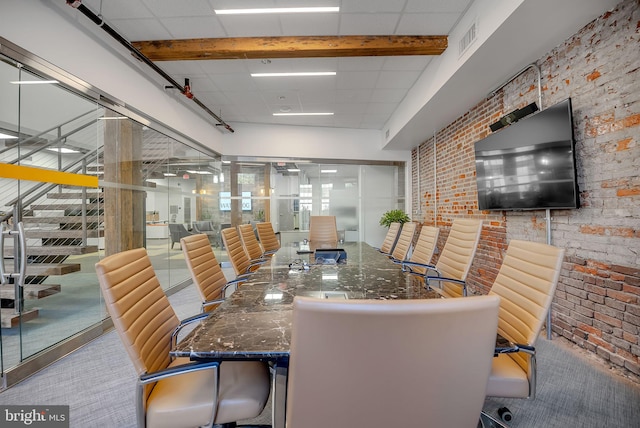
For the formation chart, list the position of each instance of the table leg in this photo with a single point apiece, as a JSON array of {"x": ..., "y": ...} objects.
[{"x": 279, "y": 401}]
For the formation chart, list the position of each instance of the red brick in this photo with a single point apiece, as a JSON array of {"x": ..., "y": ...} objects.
[{"x": 608, "y": 319}]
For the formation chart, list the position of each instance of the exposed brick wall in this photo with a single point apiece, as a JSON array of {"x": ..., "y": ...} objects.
[{"x": 597, "y": 304}]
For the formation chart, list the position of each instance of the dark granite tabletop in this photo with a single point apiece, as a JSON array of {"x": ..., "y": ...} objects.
[{"x": 255, "y": 321}]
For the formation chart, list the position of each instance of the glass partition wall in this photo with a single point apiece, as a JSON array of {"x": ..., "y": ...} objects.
[{"x": 151, "y": 189}]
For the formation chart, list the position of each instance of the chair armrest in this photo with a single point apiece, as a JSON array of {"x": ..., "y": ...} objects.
[
  {"x": 527, "y": 349},
  {"x": 269, "y": 252},
  {"x": 428, "y": 280},
  {"x": 406, "y": 266},
  {"x": 211, "y": 303},
  {"x": 256, "y": 262},
  {"x": 235, "y": 282},
  {"x": 444, "y": 279},
  {"x": 177, "y": 370},
  {"x": 183, "y": 323}
]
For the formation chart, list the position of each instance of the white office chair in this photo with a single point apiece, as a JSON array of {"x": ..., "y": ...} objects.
[
  {"x": 381, "y": 364},
  {"x": 526, "y": 284}
]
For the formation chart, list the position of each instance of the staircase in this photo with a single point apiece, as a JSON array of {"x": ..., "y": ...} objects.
[{"x": 55, "y": 228}]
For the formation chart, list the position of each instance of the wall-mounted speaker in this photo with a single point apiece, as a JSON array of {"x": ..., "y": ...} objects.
[{"x": 513, "y": 117}]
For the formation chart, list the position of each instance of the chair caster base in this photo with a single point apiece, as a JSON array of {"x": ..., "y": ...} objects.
[
  {"x": 505, "y": 414},
  {"x": 488, "y": 421}
]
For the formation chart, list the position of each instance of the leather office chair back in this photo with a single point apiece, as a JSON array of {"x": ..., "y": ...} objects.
[
  {"x": 140, "y": 310},
  {"x": 238, "y": 257},
  {"x": 322, "y": 228},
  {"x": 249, "y": 241},
  {"x": 268, "y": 238},
  {"x": 205, "y": 270},
  {"x": 391, "y": 237},
  {"x": 457, "y": 255},
  {"x": 424, "y": 248},
  {"x": 405, "y": 240},
  {"x": 526, "y": 284},
  {"x": 433, "y": 371},
  {"x": 191, "y": 395}
]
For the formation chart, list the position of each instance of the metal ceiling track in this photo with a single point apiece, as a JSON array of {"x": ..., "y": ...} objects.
[{"x": 77, "y": 4}]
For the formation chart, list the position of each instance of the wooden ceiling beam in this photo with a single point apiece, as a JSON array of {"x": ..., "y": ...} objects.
[{"x": 290, "y": 47}]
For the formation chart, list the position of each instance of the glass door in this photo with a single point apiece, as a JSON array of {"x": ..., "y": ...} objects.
[{"x": 50, "y": 211}]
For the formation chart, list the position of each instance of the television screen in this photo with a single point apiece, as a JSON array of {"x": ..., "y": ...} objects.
[{"x": 530, "y": 164}]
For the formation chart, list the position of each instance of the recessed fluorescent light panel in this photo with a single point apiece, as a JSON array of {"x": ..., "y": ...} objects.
[
  {"x": 300, "y": 74},
  {"x": 303, "y": 114},
  {"x": 7, "y": 136},
  {"x": 62, "y": 150},
  {"x": 276, "y": 10},
  {"x": 328, "y": 171},
  {"x": 199, "y": 172},
  {"x": 34, "y": 82}
]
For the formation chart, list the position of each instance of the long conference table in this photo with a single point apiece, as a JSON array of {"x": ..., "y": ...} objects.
[{"x": 254, "y": 323}]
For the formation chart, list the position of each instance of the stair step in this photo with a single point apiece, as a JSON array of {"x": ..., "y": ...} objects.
[
  {"x": 9, "y": 319},
  {"x": 31, "y": 291},
  {"x": 74, "y": 219},
  {"x": 90, "y": 206},
  {"x": 49, "y": 269},
  {"x": 74, "y": 195},
  {"x": 63, "y": 234},
  {"x": 55, "y": 250}
]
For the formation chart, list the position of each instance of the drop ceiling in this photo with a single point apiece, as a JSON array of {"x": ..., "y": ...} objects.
[{"x": 364, "y": 92}]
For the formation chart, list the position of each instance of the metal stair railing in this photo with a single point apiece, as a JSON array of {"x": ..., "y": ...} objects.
[{"x": 38, "y": 136}]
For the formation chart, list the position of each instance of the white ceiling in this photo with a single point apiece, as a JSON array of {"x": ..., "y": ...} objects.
[
  {"x": 363, "y": 94},
  {"x": 367, "y": 92}
]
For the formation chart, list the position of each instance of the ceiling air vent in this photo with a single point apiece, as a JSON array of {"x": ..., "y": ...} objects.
[{"x": 468, "y": 38}]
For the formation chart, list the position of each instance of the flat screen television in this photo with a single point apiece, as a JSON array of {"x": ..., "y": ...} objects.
[{"x": 530, "y": 164}]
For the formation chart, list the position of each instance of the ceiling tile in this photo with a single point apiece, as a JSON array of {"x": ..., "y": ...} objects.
[
  {"x": 407, "y": 63},
  {"x": 353, "y": 96},
  {"x": 250, "y": 25},
  {"x": 168, "y": 8},
  {"x": 234, "y": 82},
  {"x": 429, "y": 24},
  {"x": 317, "y": 25},
  {"x": 356, "y": 80},
  {"x": 140, "y": 29},
  {"x": 437, "y": 6},
  {"x": 368, "y": 24},
  {"x": 371, "y": 63},
  {"x": 388, "y": 95},
  {"x": 397, "y": 79},
  {"x": 118, "y": 9},
  {"x": 196, "y": 27},
  {"x": 371, "y": 6}
]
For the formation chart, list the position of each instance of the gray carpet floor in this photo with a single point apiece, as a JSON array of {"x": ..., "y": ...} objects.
[{"x": 97, "y": 381}]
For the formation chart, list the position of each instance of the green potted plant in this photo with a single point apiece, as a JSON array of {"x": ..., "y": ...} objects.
[{"x": 394, "y": 216}]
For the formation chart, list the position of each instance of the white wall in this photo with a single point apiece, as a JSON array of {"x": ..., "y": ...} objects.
[{"x": 309, "y": 142}]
